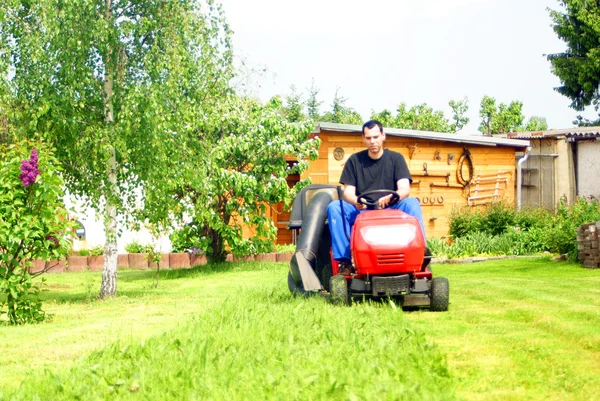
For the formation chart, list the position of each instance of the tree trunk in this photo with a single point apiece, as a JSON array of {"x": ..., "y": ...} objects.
[
  {"x": 216, "y": 253},
  {"x": 109, "y": 274}
]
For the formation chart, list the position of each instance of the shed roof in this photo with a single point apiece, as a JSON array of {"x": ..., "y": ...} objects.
[
  {"x": 433, "y": 136},
  {"x": 575, "y": 133}
]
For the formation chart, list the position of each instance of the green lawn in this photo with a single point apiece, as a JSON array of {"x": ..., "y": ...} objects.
[{"x": 516, "y": 329}]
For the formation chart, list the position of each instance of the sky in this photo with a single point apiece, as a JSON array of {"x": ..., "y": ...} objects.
[{"x": 381, "y": 53}]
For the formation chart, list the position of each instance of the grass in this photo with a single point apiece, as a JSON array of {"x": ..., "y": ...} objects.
[{"x": 516, "y": 329}]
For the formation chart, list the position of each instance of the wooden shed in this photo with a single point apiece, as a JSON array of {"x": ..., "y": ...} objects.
[{"x": 448, "y": 170}]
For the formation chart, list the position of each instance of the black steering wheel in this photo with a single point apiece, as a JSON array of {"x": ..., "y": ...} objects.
[{"x": 382, "y": 192}]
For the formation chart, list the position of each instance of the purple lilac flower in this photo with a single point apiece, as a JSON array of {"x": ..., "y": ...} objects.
[
  {"x": 29, "y": 169},
  {"x": 53, "y": 239}
]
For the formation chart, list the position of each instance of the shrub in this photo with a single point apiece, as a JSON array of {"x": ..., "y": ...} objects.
[
  {"x": 498, "y": 217},
  {"x": 136, "y": 247},
  {"x": 189, "y": 239},
  {"x": 98, "y": 250},
  {"x": 561, "y": 233},
  {"x": 501, "y": 230},
  {"x": 33, "y": 224},
  {"x": 465, "y": 220}
]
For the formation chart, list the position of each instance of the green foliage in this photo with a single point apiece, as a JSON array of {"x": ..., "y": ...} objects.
[
  {"x": 252, "y": 151},
  {"x": 421, "y": 117},
  {"x": 502, "y": 118},
  {"x": 98, "y": 250},
  {"x": 536, "y": 124},
  {"x": 312, "y": 104},
  {"x": 424, "y": 118},
  {"x": 285, "y": 248},
  {"x": 294, "y": 106},
  {"x": 578, "y": 66},
  {"x": 340, "y": 113},
  {"x": 136, "y": 247},
  {"x": 33, "y": 224},
  {"x": 189, "y": 239},
  {"x": 459, "y": 111},
  {"x": 120, "y": 99},
  {"x": 562, "y": 231},
  {"x": 465, "y": 220},
  {"x": 500, "y": 230}
]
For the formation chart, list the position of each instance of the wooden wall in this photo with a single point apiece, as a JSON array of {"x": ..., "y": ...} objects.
[{"x": 438, "y": 189}]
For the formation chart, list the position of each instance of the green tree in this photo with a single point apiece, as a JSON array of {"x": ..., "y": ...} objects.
[
  {"x": 487, "y": 112},
  {"x": 578, "y": 67},
  {"x": 385, "y": 117},
  {"x": 459, "y": 111},
  {"x": 502, "y": 118},
  {"x": 340, "y": 113},
  {"x": 421, "y": 117},
  {"x": 252, "y": 151},
  {"x": 536, "y": 124},
  {"x": 294, "y": 106},
  {"x": 118, "y": 87},
  {"x": 313, "y": 106}
]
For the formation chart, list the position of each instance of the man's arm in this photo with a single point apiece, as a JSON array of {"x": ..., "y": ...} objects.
[
  {"x": 403, "y": 191},
  {"x": 349, "y": 196},
  {"x": 403, "y": 185}
]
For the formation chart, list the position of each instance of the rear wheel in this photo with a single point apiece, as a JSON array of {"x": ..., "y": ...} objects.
[
  {"x": 338, "y": 287},
  {"x": 326, "y": 276},
  {"x": 440, "y": 294}
]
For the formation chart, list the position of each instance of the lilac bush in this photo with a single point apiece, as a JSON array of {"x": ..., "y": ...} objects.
[{"x": 34, "y": 224}]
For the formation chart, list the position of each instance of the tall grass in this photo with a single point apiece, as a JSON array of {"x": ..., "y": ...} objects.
[
  {"x": 516, "y": 329},
  {"x": 261, "y": 343}
]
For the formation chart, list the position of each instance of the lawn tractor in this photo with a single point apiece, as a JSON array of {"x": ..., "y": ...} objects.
[{"x": 388, "y": 253}]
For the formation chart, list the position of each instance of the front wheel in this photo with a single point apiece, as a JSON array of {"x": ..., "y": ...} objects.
[
  {"x": 338, "y": 287},
  {"x": 440, "y": 294}
]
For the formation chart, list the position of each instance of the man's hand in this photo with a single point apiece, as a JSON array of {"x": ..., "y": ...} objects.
[
  {"x": 359, "y": 205},
  {"x": 384, "y": 201}
]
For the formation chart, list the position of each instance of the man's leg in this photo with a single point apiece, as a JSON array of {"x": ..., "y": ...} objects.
[
  {"x": 413, "y": 207},
  {"x": 339, "y": 241}
]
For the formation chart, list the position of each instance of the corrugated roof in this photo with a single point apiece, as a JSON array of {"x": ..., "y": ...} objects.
[
  {"x": 574, "y": 132},
  {"x": 434, "y": 136}
]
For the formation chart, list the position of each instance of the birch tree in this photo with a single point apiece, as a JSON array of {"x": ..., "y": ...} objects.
[{"x": 118, "y": 87}]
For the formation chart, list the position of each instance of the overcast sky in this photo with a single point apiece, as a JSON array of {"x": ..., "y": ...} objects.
[{"x": 384, "y": 52}]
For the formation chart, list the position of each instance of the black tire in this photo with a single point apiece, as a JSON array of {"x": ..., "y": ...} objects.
[
  {"x": 339, "y": 290},
  {"x": 426, "y": 260},
  {"x": 326, "y": 276},
  {"x": 440, "y": 294}
]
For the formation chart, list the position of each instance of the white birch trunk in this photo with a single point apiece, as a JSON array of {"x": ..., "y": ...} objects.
[{"x": 109, "y": 274}]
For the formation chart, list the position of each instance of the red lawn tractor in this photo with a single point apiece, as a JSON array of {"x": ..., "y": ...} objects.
[{"x": 388, "y": 253}]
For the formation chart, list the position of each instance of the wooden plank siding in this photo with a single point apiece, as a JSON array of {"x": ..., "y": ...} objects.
[{"x": 493, "y": 168}]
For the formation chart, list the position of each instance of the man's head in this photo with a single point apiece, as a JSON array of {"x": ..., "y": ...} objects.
[
  {"x": 372, "y": 124},
  {"x": 373, "y": 138}
]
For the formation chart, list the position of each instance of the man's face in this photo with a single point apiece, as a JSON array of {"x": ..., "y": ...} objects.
[{"x": 373, "y": 139}]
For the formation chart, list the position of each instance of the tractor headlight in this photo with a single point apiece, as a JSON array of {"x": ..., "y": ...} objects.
[{"x": 398, "y": 234}]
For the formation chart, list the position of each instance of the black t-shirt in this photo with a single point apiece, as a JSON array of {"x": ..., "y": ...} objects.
[{"x": 367, "y": 174}]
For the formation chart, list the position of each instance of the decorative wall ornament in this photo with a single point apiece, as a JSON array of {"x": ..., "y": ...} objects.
[
  {"x": 338, "y": 154},
  {"x": 411, "y": 150}
]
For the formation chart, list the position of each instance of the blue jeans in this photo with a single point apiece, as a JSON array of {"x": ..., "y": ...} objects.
[{"x": 340, "y": 243}]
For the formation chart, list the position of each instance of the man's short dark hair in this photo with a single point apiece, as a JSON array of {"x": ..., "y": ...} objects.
[{"x": 370, "y": 124}]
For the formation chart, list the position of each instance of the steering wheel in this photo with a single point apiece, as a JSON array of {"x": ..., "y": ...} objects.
[{"x": 382, "y": 192}]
